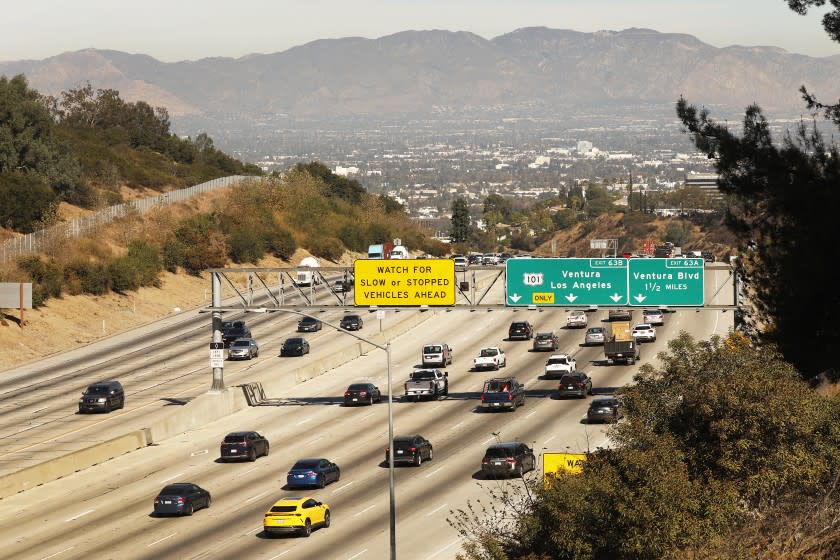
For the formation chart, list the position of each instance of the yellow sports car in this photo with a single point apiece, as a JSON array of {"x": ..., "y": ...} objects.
[{"x": 296, "y": 515}]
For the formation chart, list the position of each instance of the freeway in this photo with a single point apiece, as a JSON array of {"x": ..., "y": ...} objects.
[{"x": 105, "y": 510}]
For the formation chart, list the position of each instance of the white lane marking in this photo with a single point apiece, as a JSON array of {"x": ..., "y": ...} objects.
[
  {"x": 337, "y": 490},
  {"x": 57, "y": 553},
  {"x": 252, "y": 498},
  {"x": 368, "y": 415},
  {"x": 445, "y": 548},
  {"x": 437, "y": 470},
  {"x": 304, "y": 421},
  {"x": 370, "y": 507},
  {"x": 39, "y": 409},
  {"x": 243, "y": 473},
  {"x": 30, "y": 427},
  {"x": 531, "y": 414},
  {"x": 255, "y": 530},
  {"x": 549, "y": 439},
  {"x": 78, "y": 515},
  {"x": 488, "y": 440},
  {"x": 281, "y": 554},
  {"x": 437, "y": 509},
  {"x": 357, "y": 554},
  {"x": 314, "y": 440},
  {"x": 161, "y": 540},
  {"x": 456, "y": 425},
  {"x": 202, "y": 452},
  {"x": 173, "y": 477}
]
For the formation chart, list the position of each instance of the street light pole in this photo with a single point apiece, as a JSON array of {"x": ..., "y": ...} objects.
[{"x": 391, "y": 493}]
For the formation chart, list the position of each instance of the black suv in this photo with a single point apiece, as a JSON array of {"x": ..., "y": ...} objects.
[
  {"x": 231, "y": 330},
  {"x": 508, "y": 459},
  {"x": 520, "y": 330},
  {"x": 243, "y": 445},
  {"x": 411, "y": 449},
  {"x": 104, "y": 396},
  {"x": 351, "y": 323},
  {"x": 575, "y": 384}
]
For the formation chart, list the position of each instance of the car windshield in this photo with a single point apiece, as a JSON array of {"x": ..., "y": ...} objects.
[
  {"x": 431, "y": 349},
  {"x": 425, "y": 374},
  {"x": 602, "y": 402},
  {"x": 595, "y": 330},
  {"x": 283, "y": 509},
  {"x": 556, "y": 361},
  {"x": 234, "y": 438},
  {"x": 518, "y": 326},
  {"x": 496, "y": 386},
  {"x": 358, "y": 387},
  {"x": 499, "y": 453},
  {"x": 543, "y": 336},
  {"x": 569, "y": 379},
  {"x": 98, "y": 390},
  {"x": 175, "y": 489},
  {"x": 489, "y": 352},
  {"x": 307, "y": 464}
]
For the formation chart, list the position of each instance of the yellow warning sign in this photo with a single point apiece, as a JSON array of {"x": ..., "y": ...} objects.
[
  {"x": 404, "y": 282},
  {"x": 543, "y": 297},
  {"x": 554, "y": 463}
]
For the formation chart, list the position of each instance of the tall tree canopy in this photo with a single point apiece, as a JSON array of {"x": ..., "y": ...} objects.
[
  {"x": 460, "y": 230},
  {"x": 786, "y": 206}
]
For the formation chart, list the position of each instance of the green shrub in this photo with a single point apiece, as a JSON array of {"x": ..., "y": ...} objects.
[
  {"x": 326, "y": 247},
  {"x": 145, "y": 257},
  {"x": 124, "y": 275},
  {"x": 94, "y": 278},
  {"x": 353, "y": 237},
  {"x": 281, "y": 242},
  {"x": 47, "y": 278},
  {"x": 25, "y": 199},
  {"x": 245, "y": 244},
  {"x": 201, "y": 245}
]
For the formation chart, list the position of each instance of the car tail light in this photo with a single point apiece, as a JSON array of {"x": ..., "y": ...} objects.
[
  {"x": 180, "y": 500},
  {"x": 485, "y": 461},
  {"x": 157, "y": 500},
  {"x": 580, "y": 384},
  {"x": 510, "y": 461},
  {"x": 311, "y": 473},
  {"x": 482, "y": 397},
  {"x": 346, "y": 393},
  {"x": 431, "y": 384},
  {"x": 510, "y": 396},
  {"x": 412, "y": 449}
]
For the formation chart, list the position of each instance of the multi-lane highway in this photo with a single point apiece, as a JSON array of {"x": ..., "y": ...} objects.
[{"x": 105, "y": 510}]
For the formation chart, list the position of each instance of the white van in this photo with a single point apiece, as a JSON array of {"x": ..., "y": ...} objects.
[
  {"x": 437, "y": 354},
  {"x": 460, "y": 264}
]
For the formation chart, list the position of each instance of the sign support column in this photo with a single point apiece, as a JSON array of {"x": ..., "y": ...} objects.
[{"x": 218, "y": 372}]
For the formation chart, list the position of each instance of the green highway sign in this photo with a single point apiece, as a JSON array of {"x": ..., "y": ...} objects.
[
  {"x": 606, "y": 281},
  {"x": 666, "y": 282},
  {"x": 562, "y": 282}
]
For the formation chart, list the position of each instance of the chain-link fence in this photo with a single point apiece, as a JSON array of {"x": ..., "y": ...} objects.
[{"x": 36, "y": 241}]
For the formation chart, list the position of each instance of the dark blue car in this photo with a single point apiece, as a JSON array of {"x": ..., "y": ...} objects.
[{"x": 312, "y": 472}]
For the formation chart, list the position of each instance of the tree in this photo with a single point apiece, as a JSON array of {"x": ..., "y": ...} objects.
[
  {"x": 460, "y": 231},
  {"x": 785, "y": 204}
]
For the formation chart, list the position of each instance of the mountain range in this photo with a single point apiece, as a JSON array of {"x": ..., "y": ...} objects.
[{"x": 425, "y": 74}]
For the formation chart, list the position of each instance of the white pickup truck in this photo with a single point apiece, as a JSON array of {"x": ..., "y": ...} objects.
[
  {"x": 431, "y": 383},
  {"x": 490, "y": 358}
]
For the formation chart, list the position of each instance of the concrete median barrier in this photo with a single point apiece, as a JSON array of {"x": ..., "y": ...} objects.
[{"x": 54, "y": 469}]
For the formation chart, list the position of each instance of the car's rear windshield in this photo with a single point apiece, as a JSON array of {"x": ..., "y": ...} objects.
[
  {"x": 517, "y": 325},
  {"x": 357, "y": 387},
  {"x": 234, "y": 438},
  {"x": 308, "y": 320},
  {"x": 543, "y": 336},
  {"x": 555, "y": 361},
  {"x": 351, "y": 318},
  {"x": 602, "y": 402},
  {"x": 307, "y": 464},
  {"x": 569, "y": 379},
  {"x": 283, "y": 509},
  {"x": 499, "y": 452},
  {"x": 175, "y": 489},
  {"x": 432, "y": 349},
  {"x": 489, "y": 352},
  {"x": 425, "y": 374},
  {"x": 292, "y": 341},
  {"x": 596, "y": 330}
]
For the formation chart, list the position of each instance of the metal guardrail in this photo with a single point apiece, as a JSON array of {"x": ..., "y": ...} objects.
[{"x": 36, "y": 241}]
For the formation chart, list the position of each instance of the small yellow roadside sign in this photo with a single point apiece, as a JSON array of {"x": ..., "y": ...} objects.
[
  {"x": 554, "y": 463},
  {"x": 404, "y": 282}
]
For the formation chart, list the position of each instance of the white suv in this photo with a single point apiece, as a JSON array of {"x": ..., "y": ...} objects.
[
  {"x": 558, "y": 364},
  {"x": 576, "y": 320}
]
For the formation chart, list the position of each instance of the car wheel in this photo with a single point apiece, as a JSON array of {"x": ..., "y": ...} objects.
[
  {"x": 252, "y": 455},
  {"x": 337, "y": 474},
  {"x": 307, "y": 529},
  {"x": 431, "y": 453},
  {"x": 207, "y": 505},
  {"x": 370, "y": 401},
  {"x": 520, "y": 471},
  {"x": 418, "y": 460},
  {"x": 189, "y": 510},
  {"x": 496, "y": 367},
  {"x": 513, "y": 406},
  {"x": 322, "y": 481},
  {"x": 326, "y": 519},
  {"x": 266, "y": 450}
]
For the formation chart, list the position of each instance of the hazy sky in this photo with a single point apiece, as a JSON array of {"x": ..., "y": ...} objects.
[{"x": 172, "y": 30}]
